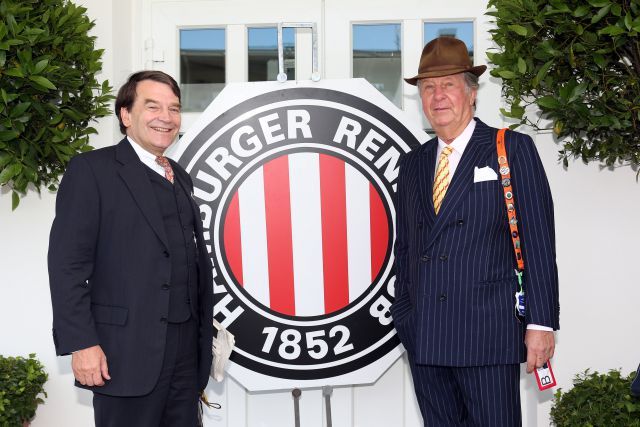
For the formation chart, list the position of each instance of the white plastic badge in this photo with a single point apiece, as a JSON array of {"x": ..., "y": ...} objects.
[{"x": 545, "y": 377}]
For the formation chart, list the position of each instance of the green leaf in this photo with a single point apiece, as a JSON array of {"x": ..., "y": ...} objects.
[
  {"x": 43, "y": 81},
  {"x": 9, "y": 172},
  {"x": 8, "y": 135},
  {"x": 548, "y": 102},
  {"x": 518, "y": 29},
  {"x": 542, "y": 72},
  {"x": 4, "y": 159},
  {"x": 599, "y": 60},
  {"x": 628, "y": 21},
  {"x": 522, "y": 66},
  {"x": 15, "y": 200},
  {"x": 612, "y": 30},
  {"x": 506, "y": 74},
  {"x": 20, "y": 109},
  {"x": 40, "y": 66},
  {"x": 578, "y": 91},
  {"x": 581, "y": 11},
  {"x": 517, "y": 111},
  {"x": 599, "y": 3},
  {"x": 601, "y": 14},
  {"x": 14, "y": 72}
]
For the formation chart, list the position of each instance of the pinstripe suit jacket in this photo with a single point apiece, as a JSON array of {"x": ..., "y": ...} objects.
[{"x": 455, "y": 281}]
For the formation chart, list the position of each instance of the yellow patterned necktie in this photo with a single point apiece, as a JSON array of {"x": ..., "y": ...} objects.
[{"x": 441, "y": 182}]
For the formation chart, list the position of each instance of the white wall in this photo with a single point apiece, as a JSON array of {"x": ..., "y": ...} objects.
[{"x": 596, "y": 243}]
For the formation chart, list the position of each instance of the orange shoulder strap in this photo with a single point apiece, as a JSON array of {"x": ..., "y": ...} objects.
[{"x": 509, "y": 200}]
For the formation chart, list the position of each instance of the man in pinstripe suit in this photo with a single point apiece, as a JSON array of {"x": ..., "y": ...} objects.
[{"x": 455, "y": 283}]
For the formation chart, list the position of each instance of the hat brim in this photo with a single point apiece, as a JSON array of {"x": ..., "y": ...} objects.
[{"x": 477, "y": 70}]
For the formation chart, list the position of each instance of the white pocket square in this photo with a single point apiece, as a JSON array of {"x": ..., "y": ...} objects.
[{"x": 484, "y": 174}]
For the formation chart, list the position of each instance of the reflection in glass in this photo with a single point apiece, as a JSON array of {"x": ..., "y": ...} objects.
[
  {"x": 202, "y": 67},
  {"x": 263, "y": 53},
  {"x": 377, "y": 58},
  {"x": 462, "y": 30}
]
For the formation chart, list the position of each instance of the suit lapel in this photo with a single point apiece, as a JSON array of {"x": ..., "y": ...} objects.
[
  {"x": 426, "y": 167},
  {"x": 188, "y": 192},
  {"x": 482, "y": 141},
  {"x": 194, "y": 207},
  {"x": 135, "y": 177}
]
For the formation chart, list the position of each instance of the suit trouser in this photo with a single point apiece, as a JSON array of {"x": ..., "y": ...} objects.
[
  {"x": 487, "y": 396},
  {"x": 173, "y": 402}
]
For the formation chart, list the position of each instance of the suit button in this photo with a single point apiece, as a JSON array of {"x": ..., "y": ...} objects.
[
  {"x": 163, "y": 319},
  {"x": 425, "y": 258},
  {"x": 165, "y": 286},
  {"x": 420, "y": 225},
  {"x": 443, "y": 257},
  {"x": 460, "y": 222},
  {"x": 166, "y": 254},
  {"x": 443, "y": 297}
]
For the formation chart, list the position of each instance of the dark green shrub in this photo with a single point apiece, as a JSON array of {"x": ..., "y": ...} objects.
[
  {"x": 21, "y": 384},
  {"x": 578, "y": 62},
  {"x": 597, "y": 400},
  {"x": 49, "y": 92}
]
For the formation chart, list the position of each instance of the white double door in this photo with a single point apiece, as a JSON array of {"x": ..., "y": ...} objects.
[{"x": 162, "y": 21}]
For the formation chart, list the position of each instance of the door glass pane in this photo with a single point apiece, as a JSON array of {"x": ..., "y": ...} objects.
[
  {"x": 377, "y": 58},
  {"x": 462, "y": 30},
  {"x": 202, "y": 67},
  {"x": 263, "y": 53}
]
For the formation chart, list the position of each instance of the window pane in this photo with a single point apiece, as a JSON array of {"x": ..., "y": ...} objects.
[
  {"x": 377, "y": 58},
  {"x": 263, "y": 53},
  {"x": 202, "y": 67},
  {"x": 462, "y": 30}
]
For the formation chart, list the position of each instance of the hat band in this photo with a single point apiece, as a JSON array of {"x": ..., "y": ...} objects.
[{"x": 437, "y": 68}]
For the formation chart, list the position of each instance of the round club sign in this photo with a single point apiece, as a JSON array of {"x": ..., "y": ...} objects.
[{"x": 295, "y": 184}]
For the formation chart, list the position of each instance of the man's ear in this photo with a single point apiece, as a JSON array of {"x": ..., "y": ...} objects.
[
  {"x": 474, "y": 93},
  {"x": 125, "y": 116}
]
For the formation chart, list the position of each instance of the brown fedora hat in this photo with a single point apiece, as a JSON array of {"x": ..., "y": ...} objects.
[{"x": 445, "y": 56}]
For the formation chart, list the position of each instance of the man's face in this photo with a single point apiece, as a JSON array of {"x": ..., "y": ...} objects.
[
  {"x": 154, "y": 119},
  {"x": 448, "y": 104}
]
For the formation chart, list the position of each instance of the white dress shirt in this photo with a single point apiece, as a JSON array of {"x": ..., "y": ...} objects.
[{"x": 146, "y": 157}]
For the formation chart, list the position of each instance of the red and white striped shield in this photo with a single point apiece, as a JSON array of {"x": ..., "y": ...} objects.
[{"x": 306, "y": 234}]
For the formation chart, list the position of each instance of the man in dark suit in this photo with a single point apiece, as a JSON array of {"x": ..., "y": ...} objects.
[
  {"x": 455, "y": 287},
  {"x": 131, "y": 281}
]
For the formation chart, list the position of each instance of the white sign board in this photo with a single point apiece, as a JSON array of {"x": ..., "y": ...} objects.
[{"x": 295, "y": 182}]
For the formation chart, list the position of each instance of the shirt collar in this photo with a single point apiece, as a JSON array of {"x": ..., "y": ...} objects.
[
  {"x": 146, "y": 157},
  {"x": 461, "y": 141}
]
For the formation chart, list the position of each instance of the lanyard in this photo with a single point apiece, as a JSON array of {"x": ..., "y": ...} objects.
[{"x": 509, "y": 200}]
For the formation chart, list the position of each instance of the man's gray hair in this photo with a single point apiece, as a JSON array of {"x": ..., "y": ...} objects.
[{"x": 471, "y": 80}]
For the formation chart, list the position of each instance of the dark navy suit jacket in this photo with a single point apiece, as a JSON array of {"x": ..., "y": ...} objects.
[
  {"x": 455, "y": 284},
  {"x": 108, "y": 262}
]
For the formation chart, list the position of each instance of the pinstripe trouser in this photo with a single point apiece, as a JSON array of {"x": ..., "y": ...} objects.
[{"x": 487, "y": 396}]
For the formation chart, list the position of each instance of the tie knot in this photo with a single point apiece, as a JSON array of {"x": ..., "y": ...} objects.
[
  {"x": 163, "y": 161},
  {"x": 447, "y": 150},
  {"x": 168, "y": 170}
]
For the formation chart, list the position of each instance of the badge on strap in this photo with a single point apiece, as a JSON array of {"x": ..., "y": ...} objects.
[{"x": 519, "y": 295}]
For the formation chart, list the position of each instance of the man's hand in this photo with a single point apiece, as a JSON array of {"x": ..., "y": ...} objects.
[
  {"x": 90, "y": 366},
  {"x": 540, "y": 348}
]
